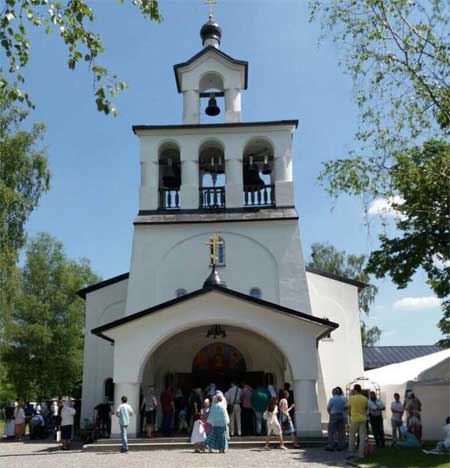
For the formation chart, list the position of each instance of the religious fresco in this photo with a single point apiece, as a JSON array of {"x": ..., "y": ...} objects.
[{"x": 219, "y": 358}]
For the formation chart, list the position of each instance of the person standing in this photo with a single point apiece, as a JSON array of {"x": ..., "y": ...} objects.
[
  {"x": 247, "y": 412},
  {"x": 19, "y": 420},
  {"x": 233, "y": 397},
  {"x": 219, "y": 420},
  {"x": 336, "y": 426},
  {"x": 67, "y": 418},
  {"x": 168, "y": 409},
  {"x": 357, "y": 407},
  {"x": 104, "y": 417},
  {"x": 413, "y": 408},
  {"x": 260, "y": 400},
  {"x": 149, "y": 404},
  {"x": 124, "y": 412},
  {"x": 396, "y": 418},
  {"x": 376, "y": 407}
]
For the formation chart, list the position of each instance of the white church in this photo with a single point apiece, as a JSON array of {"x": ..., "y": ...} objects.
[{"x": 250, "y": 311}]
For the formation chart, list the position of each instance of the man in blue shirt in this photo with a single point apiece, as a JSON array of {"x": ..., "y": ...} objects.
[
  {"x": 124, "y": 412},
  {"x": 336, "y": 426}
]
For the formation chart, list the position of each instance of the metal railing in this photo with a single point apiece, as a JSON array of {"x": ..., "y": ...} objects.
[
  {"x": 212, "y": 197},
  {"x": 259, "y": 195},
  {"x": 169, "y": 199}
]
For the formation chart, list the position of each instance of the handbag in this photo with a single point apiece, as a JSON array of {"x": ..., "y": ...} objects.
[{"x": 231, "y": 406}]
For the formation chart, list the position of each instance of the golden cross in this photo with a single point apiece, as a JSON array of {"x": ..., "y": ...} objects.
[
  {"x": 214, "y": 243},
  {"x": 210, "y": 4}
]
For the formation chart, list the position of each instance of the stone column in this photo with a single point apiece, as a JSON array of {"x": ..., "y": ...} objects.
[
  {"x": 149, "y": 190},
  {"x": 284, "y": 186},
  {"x": 307, "y": 415},
  {"x": 189, "y": 184},
  {"x": 232, "y": 105},
  {"x": 191, "y": 107},
  {"x": 131, "y": 391},
  {"x": 234, "y": 188}
]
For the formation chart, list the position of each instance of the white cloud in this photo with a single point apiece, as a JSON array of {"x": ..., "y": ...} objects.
[
  {"x": 417, "y": 303},
  {"x": 439, "y": 262},
  {"x": 383, "y": 207}
]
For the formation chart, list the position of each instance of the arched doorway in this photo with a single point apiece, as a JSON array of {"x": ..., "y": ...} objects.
[{"x": 220, "y": 363}]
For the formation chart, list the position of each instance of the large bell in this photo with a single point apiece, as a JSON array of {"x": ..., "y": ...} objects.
[
  {"x": 252, "y": 178},
  {"x": 267, "y": 169},
  {"x": 212, "y": 108},
  {"x": 172, "y": 177}
]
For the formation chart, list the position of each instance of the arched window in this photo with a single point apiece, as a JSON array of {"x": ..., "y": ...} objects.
[
  {"x": 256, "y": 293},
  {"x": 109, "y": 389},
  {"x": 220, "y": 253},
  {"x": 180, "y": 292},
  {"x": 257, "y": 173},
  {"x": 212, "y": 175},
  {"x": 169, "y": 176}
]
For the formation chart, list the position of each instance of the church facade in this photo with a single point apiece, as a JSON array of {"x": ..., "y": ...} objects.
[{"x": 217, "y": 288}]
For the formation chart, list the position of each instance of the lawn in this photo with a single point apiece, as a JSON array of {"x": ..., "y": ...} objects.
[
  {"x": 405, "y": 458},
  {"x": 2, "y": 425}
]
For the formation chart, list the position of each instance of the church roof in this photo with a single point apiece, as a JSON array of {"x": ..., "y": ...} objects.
[
  {"x": 203, "y": 126},
  {"x": 379, "y": 356},
  {"x": 205, "y": 290},
  {"x": 204, "y": 51},
  {"x": 116, "y": 279}
]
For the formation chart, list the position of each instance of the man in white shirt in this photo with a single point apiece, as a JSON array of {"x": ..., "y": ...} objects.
[
  {"x": 124, "y": 412},
  {"x": 67, "y": 418},
  {"x": 396, "y": 418},
  {"x": 233, "y": 397}
]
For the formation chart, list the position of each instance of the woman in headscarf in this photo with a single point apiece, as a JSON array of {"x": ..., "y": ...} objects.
[{"x": 219, "y": 420}]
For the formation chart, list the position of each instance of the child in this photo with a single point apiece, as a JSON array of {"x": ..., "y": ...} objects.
[
  {"x": 182, "y": 420},
  {"x": 273, "y": 425},
  {"x": 124, "y": 412},
  {"x": 286, "y": 421},
  {"x": 198, "y": 435}
]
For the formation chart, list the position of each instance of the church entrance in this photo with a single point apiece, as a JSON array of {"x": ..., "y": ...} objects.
[{"x": 193, "y": 360}]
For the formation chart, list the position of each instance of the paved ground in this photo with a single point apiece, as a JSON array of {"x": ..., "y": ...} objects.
[{"x": 45, "y": 455}]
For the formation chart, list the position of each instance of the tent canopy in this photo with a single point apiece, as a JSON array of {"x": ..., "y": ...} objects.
[{"x": 433, "y": 367}]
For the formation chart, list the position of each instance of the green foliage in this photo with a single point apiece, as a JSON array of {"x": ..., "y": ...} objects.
[
  {"x": 398, "y": 54},
  {"x": 24, "y": 177},
  {"x": 43, "y": 337},
  {"x": 70, "y": 20},
  {"x": 422, "y": 177},
  {"x": 326, "y": 257}
]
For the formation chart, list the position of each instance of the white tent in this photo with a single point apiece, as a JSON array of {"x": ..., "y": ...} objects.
[{"x": 429, "y": 378}]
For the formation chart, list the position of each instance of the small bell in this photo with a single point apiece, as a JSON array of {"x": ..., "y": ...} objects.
[
  {"x": 266, "y": 170},
  {"x": 212, "y": 108}
]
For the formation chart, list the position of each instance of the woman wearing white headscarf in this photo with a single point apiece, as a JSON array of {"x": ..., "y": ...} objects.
[{"x": 219, "y": 420}]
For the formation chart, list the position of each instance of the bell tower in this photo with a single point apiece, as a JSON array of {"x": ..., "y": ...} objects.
[
  {"x": 223, "y": 176},
  {"x": 211, "y": 74}
]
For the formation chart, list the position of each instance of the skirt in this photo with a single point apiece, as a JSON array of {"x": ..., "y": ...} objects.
[{"x": 217, "y": 438}]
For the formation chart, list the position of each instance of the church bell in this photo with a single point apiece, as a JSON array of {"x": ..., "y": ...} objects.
[
  {"x": 212, "y": 108},
  {"x": 266, "y": 170}
]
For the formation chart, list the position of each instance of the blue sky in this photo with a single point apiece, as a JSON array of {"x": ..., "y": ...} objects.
[{"x": 95, "y": 162}]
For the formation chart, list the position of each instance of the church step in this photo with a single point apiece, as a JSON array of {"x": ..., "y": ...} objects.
[{"x": 105, "y": 445}]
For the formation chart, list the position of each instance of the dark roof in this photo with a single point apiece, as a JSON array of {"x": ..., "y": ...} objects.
[
  {"x": 360, "y": 285},
  {"x": 215, "y": 125},
  {"x": 93, "y": 287},
  {"x": 83, "y": 292},
  {"x": 378, "y": 356},
  {"x": 230, "y": 292},
  {"x": 203, "y": 52}
]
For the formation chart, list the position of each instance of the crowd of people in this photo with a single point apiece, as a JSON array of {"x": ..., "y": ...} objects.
[
  {"x": 41, "y": 420},
  {"x": 211, "y": 417},
  {"x": 359, "y": 412}
]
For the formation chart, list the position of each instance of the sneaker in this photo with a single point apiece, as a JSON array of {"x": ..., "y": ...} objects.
[
  {"x": 283, "y": 447},
  {"x": 266, "y": 447}
]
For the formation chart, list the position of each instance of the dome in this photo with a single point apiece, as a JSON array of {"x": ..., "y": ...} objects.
[{"x": 211, "y": 33}]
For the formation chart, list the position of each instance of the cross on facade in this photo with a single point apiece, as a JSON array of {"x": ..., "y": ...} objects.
[
  {"x": 210, "y": 4},
  {"x": 214, "y": 244}
]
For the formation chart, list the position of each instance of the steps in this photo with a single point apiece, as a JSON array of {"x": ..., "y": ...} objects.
[{"x": 177, "y": 443}]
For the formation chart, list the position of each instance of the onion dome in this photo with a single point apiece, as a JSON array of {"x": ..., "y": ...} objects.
[
  {"x": 214, "y": 279},
  {"x": 211, "y": 33}
]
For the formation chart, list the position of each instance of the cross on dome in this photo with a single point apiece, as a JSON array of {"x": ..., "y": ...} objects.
[
  {"x": 214, "y": 243},
  {"x": 210, "y": 4}
]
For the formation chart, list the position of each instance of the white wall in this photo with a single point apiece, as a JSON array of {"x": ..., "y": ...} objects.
[
  {"x": 102, "y": 306},
  {"x": 264, "y": 254},
  {"x": 340, "y": 357}
]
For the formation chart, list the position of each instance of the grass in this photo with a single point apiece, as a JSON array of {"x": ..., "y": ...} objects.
[
  {"x": 2, "y": 426},
  {"x": 391, "y": 457}
]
